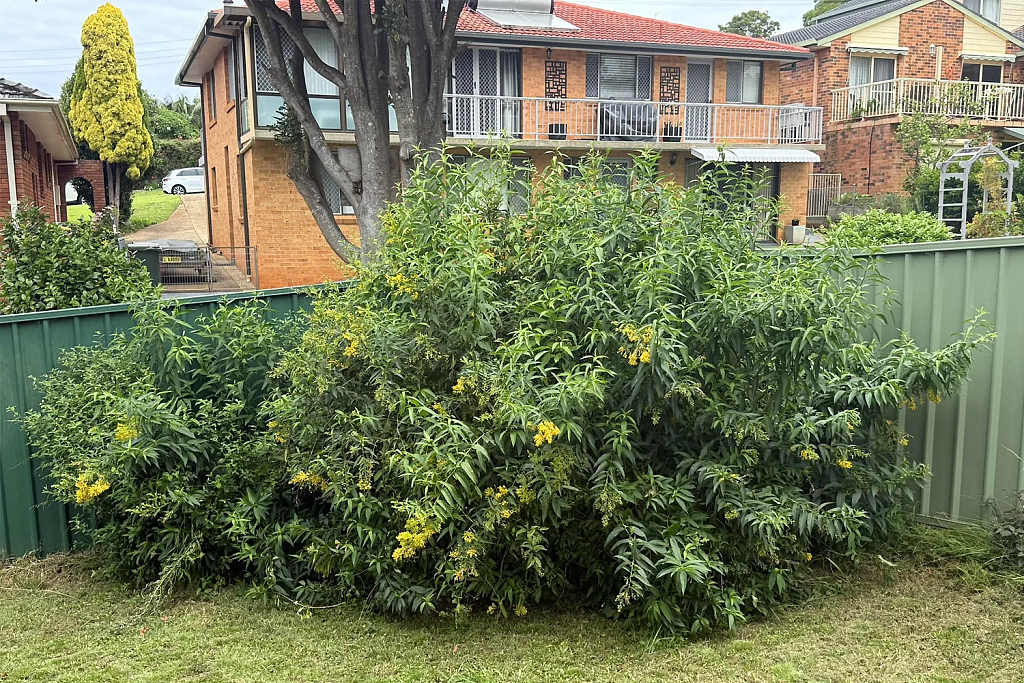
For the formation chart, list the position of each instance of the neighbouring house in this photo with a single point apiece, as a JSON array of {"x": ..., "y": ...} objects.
[
  {"x": 877, "y": 61},
  {"x": 39, "y": 153},
  {"x": 571, "y": 78}
]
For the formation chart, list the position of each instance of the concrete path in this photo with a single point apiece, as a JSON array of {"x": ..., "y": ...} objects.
[{"x": 188, "y": 222}]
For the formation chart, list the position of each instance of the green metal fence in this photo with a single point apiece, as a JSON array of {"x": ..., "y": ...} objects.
[
  {"x": 30, "y": 346},
  {"x": 972, "y": 442}
]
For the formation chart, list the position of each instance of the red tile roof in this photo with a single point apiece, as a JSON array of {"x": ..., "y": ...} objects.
[{"x": 609, "y": 26}]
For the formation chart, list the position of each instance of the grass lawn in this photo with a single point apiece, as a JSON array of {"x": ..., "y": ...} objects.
[
  {"x": 148, "y": 208},
  {"x": 915, "y": 622}
]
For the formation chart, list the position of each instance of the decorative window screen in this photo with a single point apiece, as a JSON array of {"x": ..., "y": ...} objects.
[
  {"x": 264, "y": 83},
  {"x": 555, "y": 85},
  {"x": 230, "y": 62},
  {"x": 669, "y": 89},
  {"x": 644, "y": 77}
]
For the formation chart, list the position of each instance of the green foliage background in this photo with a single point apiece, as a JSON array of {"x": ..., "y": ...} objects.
[{"x": 877, "y": 228}]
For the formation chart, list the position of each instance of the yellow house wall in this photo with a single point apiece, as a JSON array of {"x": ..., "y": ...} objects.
[
  {"x": 883, "y": 34},
  {"x": 980, "y": 40}
]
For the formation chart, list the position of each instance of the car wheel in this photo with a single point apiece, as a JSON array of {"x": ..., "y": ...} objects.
[{"x": 178, "y": 189}]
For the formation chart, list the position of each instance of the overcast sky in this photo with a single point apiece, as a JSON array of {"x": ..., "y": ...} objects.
[{"x": 39, "y": 41}]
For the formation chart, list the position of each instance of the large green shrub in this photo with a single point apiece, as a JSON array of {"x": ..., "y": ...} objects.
[
  {"x": 46, "y": 266},
  {"x": 614, "y": 396},
  {"x": 876, "y": 228},
  {"x": 159, "y": 436}
]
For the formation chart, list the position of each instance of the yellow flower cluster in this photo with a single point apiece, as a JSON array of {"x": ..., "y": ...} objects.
[
  {"x": 460, "y": 386},
  {"x": 808, "y": 556},
  {"x": 546, "y": 433},
  {"x": 808, "y": 454},
  {"x": 309, "y": 480},
  {"x": 934, "y": 397},
  {"x": 126, "y": 432},
  {"x": 465, "y": 557},
  {"x": 641, "y": 341},
  {"x": 85, "y": 492},
  {"x": 403, "y": 284},
  {"x": 844, "y": 463},
  {"x": 732, "y": 514},
  {"x": 418, "y": 531}
]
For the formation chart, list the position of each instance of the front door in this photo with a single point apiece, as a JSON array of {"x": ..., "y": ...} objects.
[{"x": 697, "y": 121}]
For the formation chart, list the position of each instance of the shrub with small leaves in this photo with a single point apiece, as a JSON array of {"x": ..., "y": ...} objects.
[
  {"x": 877, "y": 228},
  {"x": 45, "y": 266}
]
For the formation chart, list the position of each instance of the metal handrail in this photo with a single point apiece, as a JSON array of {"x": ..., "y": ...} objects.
[
  {"x": 544, "y": 118},
  {"x": 899, "y": 96}
]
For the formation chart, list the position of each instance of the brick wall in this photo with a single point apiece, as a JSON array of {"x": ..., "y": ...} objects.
[
  {"x": 933, "y": 24},
  {"x": 867, "y": 155},
  {"x": 88, "y": 169},
  {"x": 35, "y": 172},
  {"x": 793, "y": 192},
  {"x": 223, "y": 178},
  {"x": 291, "y": 249}
]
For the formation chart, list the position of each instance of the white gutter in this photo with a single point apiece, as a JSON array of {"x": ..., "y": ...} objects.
[{"x": 12, "y": 183}]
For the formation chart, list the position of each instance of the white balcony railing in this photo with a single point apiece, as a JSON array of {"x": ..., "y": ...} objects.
[
  {"x": 536, "y": 118},
  {"x": 963, "y": 99}
]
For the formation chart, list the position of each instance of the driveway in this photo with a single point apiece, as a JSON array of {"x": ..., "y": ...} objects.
[{"x": 188, "y": 222}]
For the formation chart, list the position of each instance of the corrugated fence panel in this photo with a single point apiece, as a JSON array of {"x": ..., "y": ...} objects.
[
  {"x": 971, "y": 442},
  {"x": 30, "y": 346}
]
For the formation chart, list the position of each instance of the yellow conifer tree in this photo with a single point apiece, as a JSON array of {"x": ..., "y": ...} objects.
[{"x": 107, "y": 113}]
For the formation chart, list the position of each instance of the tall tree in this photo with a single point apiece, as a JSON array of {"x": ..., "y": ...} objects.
[
  {"x": 753, "y": 23},
  {"x": 394, "y": 52},
  {"x": 106, "y": 109}
]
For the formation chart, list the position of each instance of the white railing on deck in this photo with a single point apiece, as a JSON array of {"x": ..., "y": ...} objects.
[
  {"x": 536, "y": 118},
  {"x": 994, "y": 101}
]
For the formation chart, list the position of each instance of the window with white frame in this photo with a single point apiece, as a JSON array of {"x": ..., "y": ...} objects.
[
  {"x": 990, "y": 9},
  {"x": 976, "y": 72},
  {"x": 743, "y": 82},
  {"x": 865, "y": 69},
  {"x": 620, "y": 77}
]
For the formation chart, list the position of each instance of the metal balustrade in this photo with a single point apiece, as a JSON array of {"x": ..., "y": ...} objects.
[
  {"x": 537, "y": 118},
  {"x": 992, "y": 101}
]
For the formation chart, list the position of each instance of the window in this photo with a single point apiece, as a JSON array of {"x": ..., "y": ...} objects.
[
  {"x": 243, "y": 86},
  {"x": 339, "y": 206},
  {"x": 620, "y": 77},
  {"x": 324, "y": 97},
  {"x": 214, "y": 203},
  {"x": 211, "y": 86},
  {"x": 990, "y": 9},
  {"x": 229, "y": 62},
  {"x": 743, "y": 82},
  {"x": 982, "y": 73},
  {"x": 864, "y": 70}
]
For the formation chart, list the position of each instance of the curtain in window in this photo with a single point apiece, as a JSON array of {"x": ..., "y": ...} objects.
[
  {"x": 752, "y": 82},
  {"x": 618, "y": 77},
  {"x": 860, "y": 70},
  {"x": 990, "y": 10},
  {"x": 325, "y": 48},
  {"x": 884, "y": 70}
]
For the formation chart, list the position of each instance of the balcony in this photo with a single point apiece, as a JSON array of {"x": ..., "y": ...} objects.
[
  {"x": 958, "y": 99},
  {"x": 537, "y": 118}
]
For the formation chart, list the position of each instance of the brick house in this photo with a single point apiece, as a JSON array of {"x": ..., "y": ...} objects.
[
  {"x": 39, "y": 155},
  {"x": 589, "y": 78},
  {"x": 875, "y": 61}
]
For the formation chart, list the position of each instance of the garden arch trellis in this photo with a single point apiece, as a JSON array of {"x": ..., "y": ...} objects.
[{"x": 965, "y": 159}]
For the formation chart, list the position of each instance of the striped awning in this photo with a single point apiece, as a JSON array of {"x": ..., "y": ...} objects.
[
  {"x": 878, "y": 50},
  {"x": 756, "y": 154},
  {"x": 987, "y": 58}
]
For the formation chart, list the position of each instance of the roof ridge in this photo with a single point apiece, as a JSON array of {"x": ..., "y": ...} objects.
[{"x": 671, "y": 23}]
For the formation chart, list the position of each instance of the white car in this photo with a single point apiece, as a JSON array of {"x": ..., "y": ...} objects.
[{"x": 185, "y": 180}]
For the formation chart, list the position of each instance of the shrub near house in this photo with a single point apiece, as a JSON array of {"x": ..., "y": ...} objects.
[
  {"x": 45, "y": 266},
  {"x": 614, "y": 395},
  {"x": 877, "y": 228}
]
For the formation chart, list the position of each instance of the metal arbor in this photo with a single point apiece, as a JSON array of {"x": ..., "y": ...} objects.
[{"x": 965, "y": 159}]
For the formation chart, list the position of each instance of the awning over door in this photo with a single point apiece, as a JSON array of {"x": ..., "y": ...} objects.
[{"x": 757, "y": 154}]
